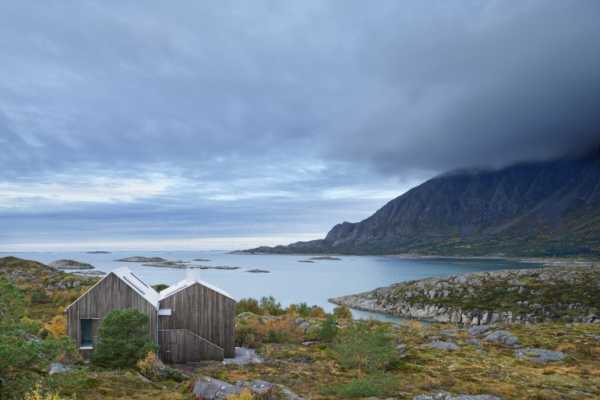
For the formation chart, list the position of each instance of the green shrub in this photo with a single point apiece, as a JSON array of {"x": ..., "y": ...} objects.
[
  {"x": 247, "y": 305},
  {"x": 376, "y": 385},
  {"x": 366, "y": 346},
  {"x": 24, "y": 356},
  {"x": 246, "y": 336},
  {"x": 302, "y": 309},
  {"x": 329, "y": 329},
  {"x": 39, "y": 296},
  {"x": 342, "y": 312},
  {"x": 123, "y": 339}
]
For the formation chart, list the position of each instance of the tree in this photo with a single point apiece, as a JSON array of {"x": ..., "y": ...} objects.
[
  {"x": 329, "y": 329},
  {"x": 271, "y": 306},
  {"x": 247, "y": 305},
  {"x": 123, "y": 339},
  {"x": 366, "y": 346}
]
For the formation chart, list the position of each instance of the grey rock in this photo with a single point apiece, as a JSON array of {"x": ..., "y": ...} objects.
[
  {"x": 244, "y": 356},
  {"x": 479, "y": 329},
  {"x": 503, "y": 337},
  {"x": 207, "y": 388},
  {"x": 473, "y": 342},
  {"x": 58, "y": 368},
  {"x": 441, "y": 345},
  {"x": 540, "y": 356},
  {"x": 448, "y": 396},
  {"x": 257, "y": 386}
]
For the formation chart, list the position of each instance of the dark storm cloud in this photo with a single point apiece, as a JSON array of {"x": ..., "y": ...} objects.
[{"x": 263, "y": 105}]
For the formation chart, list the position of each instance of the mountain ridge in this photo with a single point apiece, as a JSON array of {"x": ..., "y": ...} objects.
[{"x": 546, "y": 208}]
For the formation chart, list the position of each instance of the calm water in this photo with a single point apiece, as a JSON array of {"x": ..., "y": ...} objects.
[{"x": 289, "y": 280}]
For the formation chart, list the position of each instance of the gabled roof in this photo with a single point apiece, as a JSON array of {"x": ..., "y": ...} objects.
[
  {"x": 181, "y": 285},
  {"x": 131, "y": 280},
  {"x": 138, "y": 285}
]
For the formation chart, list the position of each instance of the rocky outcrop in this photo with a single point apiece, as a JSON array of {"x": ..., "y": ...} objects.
[
  {"x": 540, "y": 356},
  {"x": 448, "y": 396},
  {"x": 513, "y": 296},
  {"x": 141, "y": 259},
  {"x": 207, "y": 388},
  {"x": 70, "y": 264},
  {"x": 32, "y": 274},
  {"x": 534, "y": 209}
]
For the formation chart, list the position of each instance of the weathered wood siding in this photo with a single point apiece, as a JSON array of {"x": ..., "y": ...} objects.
[
  {"x": 109, "y": 294},
  {"x": 180, "y": 346},
  {"x": 203, "y": 311}
]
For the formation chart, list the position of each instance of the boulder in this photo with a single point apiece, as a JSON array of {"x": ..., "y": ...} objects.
[
  {"x": 206, "y": 388},
  {"x": 479, "y": 329},
  {"x": 448, "y": 396},
  {"x": 58, "y": 368},
  {"x": 244, "y": 356},
  {"x": 503, "y": 337},
  {"x": 540, "y": 356},
  {"x": 441, "y": 345}
]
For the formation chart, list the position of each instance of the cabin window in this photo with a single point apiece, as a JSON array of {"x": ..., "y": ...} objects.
[{"x": 86, "y": 333}]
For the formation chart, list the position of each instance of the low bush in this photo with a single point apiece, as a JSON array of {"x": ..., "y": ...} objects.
[
  {"x": 376, "y": 385},
  {"x": 57, "y": 326},
  {"x": 367, "y": 346},
  {"x": 24, "y": 355},
  {"x": 39, "y": 296},
  {"x": 123, "y": 339},
  {"x": 253, "y": 332},
  {"x": 247, "y": 305},
  {"x": 329, "y": 329},
  {"x": 154, "y": 369},
  {"x": 38, "y": 394},
  {"x": 305, "y": 311},
  {"x": 342, "y": 312}
]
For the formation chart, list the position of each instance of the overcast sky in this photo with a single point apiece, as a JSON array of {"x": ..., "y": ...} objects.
[{"x": 172, "y": 125}]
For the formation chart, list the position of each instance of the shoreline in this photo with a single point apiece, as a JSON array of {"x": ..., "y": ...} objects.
[{"x": 545, "y": 261}]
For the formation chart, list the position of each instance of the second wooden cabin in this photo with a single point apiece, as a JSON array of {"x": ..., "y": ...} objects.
[{"x": 190, "y": 321}]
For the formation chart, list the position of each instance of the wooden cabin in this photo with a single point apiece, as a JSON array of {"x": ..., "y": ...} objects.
[{"x": 190, "y": 321}]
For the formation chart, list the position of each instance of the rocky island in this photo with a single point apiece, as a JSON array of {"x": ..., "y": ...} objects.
[
  {"x": 568, "y": 294},
  {"x": 70, "y": 264},
  {"x": 141, "y": 259}
]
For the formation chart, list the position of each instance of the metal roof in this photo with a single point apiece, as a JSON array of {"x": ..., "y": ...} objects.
[
  {"x": 183, "y": 284},
  {"x": 147, "y": 292},
  {"x": 138, "y": 285}
]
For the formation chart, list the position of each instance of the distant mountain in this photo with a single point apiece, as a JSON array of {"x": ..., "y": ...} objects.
[{"x": 532, "y": 209}]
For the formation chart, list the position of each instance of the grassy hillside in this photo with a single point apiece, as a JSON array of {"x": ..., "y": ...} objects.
[{"x": 318, "y": 356}]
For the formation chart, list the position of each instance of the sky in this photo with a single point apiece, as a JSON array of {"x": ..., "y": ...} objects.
[{"x": 233, "y": 124}]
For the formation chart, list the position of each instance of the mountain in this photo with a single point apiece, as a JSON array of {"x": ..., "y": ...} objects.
[{"x": 549, "y": 208}]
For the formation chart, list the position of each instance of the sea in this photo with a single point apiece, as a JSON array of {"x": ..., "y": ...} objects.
[{"x": 289, "y": 280}]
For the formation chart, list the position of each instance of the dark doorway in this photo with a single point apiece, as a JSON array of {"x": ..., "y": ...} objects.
[{"x": 86, "y": 333}]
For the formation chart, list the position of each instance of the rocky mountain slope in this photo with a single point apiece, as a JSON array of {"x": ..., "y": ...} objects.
[
  {"x": 570, "y": 294},
  {"x": 533, "y": 209}
]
